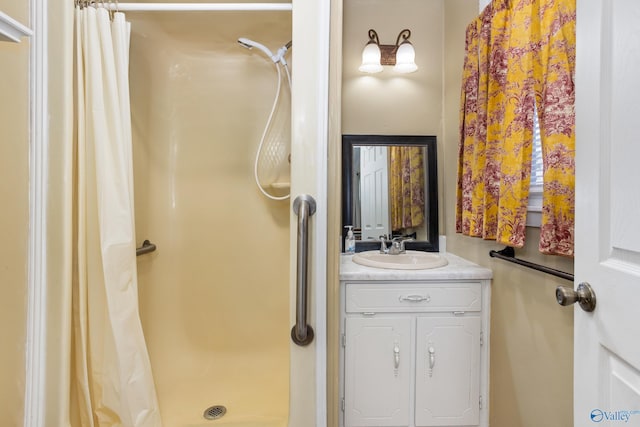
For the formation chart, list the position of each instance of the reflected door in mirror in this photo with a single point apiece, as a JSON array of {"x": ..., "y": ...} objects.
[{"x": 374, "y": 190}]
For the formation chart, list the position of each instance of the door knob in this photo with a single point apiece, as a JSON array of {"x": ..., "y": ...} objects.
[{"x": 584, "y": 296}]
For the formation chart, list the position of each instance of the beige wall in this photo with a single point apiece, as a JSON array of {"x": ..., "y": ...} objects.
[
  {"x": 390, "y": 103},
  {"x": 14, "y": 216},
  {"x": 387, "y": 102},
  {"x": 531, "y": 336}
]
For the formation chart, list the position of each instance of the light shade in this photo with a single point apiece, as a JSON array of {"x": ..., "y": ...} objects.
[
  {"x": 405, "y": 59},
  {"x": 371, "y": 58}
]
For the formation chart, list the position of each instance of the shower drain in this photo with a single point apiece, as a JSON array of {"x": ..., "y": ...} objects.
[{"x": 214, "y": 412}]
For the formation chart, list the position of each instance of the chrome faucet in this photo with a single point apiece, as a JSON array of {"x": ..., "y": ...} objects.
[
  {"x": 397, "y": 245},
  {"x": 383, "y": 246}
]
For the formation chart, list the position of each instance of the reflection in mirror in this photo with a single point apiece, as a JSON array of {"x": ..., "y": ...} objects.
[{"x": 390, "y": 190}]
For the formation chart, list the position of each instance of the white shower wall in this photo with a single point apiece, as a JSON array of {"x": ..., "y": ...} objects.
[{"x": 214, "y": 298}]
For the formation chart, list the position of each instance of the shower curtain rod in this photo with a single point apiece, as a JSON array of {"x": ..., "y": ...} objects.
[{"x": 197, "y": 7}]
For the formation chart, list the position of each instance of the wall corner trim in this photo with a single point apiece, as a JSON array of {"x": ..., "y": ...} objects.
[{"x": 11, "y": 30}]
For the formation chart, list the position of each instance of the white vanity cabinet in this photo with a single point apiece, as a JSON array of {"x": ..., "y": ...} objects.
[
  {"x": 414, "y": 348},
  {"x": 377, "y": 371}
]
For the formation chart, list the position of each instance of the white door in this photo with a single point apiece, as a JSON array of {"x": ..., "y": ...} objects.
[
  {"x": 607, "y": 340},
  {"x": 374, "y": 192},
  {"x": 377, "y": 369},
  {"x": 448, "y": 371}
]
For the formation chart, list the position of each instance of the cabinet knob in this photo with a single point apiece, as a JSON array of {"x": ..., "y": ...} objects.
[
  {"x": 432, "y": 360},
  {"x": 396, "y": 358}
]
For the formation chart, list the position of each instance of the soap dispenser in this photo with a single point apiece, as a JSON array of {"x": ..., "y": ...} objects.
[{"x": 350, "y": 241}]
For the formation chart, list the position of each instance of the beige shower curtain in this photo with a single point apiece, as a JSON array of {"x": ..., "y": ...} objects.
[{"x": 111, "y": 378}]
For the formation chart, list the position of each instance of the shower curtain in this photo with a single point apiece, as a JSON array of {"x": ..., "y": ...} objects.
[{"x": 111, "y": 382}]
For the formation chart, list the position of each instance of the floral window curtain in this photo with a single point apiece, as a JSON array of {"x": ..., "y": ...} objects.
[
  {"x": 406, "y": 187},
  {"x": 520, "y": 58}
]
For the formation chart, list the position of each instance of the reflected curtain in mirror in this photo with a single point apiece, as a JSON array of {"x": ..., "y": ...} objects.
[{"x": 406, "y": 187}]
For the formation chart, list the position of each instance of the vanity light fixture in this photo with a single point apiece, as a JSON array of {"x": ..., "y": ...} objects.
[{"x": 401, "y": 55}]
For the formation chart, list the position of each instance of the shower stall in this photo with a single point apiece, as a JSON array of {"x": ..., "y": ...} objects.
[
  {"x": 215, "y": 296},
  {"x": 217, "y": 299}
]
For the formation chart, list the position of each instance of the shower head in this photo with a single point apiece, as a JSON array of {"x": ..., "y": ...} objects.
[
  {"x": 281, "y": 53},
  {"x": 283, "y": 50},
  {"x": 249, "y": 44}
]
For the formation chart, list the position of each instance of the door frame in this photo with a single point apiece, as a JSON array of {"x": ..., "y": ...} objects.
[
  {"x": 36, "y": 333},
  {"x": 47, "y": 357},
  {"x": 309, "y": 140}
]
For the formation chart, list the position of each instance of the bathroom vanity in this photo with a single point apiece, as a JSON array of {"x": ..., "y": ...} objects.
[{"x": 415, "y": 345}]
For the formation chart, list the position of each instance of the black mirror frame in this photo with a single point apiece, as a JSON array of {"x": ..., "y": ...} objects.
[{"x": 431, "y": 196}]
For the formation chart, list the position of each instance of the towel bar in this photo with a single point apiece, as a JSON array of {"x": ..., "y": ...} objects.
[{"x": 508, "y": 254}]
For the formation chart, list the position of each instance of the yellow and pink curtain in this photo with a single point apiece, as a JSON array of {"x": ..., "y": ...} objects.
[
  {"x": 519, "y": 61},
  {"x": 406, "y": 187}
]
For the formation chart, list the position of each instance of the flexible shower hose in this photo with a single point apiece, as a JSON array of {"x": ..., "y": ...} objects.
[{"x": 268, "y": 125}]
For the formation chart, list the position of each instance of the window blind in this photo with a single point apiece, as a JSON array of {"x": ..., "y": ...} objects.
[
  {"x": 536, "y": 157},
  {"x": 535, "y": 184}
]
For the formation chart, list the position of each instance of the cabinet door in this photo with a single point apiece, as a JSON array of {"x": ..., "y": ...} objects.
[
  {"x": 447, "y": 371},
  {"x": 377, "y": 369}
]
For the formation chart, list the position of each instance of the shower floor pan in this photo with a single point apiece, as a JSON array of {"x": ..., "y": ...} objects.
[{"x": 243, "y": 422}]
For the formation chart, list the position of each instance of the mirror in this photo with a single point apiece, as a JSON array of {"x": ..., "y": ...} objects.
[{"x": 390, "y": 189}]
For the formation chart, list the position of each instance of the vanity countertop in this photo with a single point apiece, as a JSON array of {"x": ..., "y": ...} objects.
[{"x": 457, "y": 269}]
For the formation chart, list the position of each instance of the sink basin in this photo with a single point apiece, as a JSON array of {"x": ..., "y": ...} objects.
[{"x": 411, "y": 260}]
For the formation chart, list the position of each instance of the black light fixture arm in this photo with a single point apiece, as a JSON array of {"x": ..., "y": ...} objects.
[
  {"x": 405, "y": 35},
  {"x": 373, "y": 37}
]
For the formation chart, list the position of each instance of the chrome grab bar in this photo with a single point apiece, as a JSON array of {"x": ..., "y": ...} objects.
[
  {"x": 146, "y": 248},
  {"x": 304, "y": 206}
]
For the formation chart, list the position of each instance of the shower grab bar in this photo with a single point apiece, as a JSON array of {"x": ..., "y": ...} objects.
[
  {"x": 146, "y": 248},
  {"x": 304, "y": 206}
]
